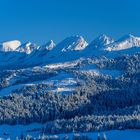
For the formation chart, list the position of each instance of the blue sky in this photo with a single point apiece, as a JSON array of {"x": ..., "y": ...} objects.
[{"x": 41, "y": 20}]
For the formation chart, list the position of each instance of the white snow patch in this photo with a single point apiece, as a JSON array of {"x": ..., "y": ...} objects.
[
  {"x": 94, "y": 71},
  {"x": 10, "y": 45},
  {"x": 13, "y": 131},
  {"x": 61, "y": 65}
]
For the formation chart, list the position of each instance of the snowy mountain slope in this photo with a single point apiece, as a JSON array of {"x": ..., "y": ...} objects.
[
  {"x": 51, "y": 52},
  {"x": 67, "y": 50},
  {"x": 39, "y": 56},
  {"x": 101, "y": 41},
  {"x": 73, "y": 43},
  {"x": 48, "y": 46},
  {"x": 9, "y": 46},
  {"x": 126, "y": 42},
  {"x": 11, "y": 60},
  {"x": 106, "y": 46},
  {"x": 70, "y": 49},
  {"x": 41, "y": 52},
  {"x": 27, "y": 47}
]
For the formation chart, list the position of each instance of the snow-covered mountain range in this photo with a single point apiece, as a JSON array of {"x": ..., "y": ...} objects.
[
  {"x": 74, "y": 43},
  {"x": 71, "y": 48},
  {"x": 23, "y": 61}
]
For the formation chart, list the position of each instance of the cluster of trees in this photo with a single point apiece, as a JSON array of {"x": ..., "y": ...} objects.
[
  {"x": 95, "y": 97},
  {"x": 91, "y": 123},
  {"x": 126, "y": 63},
  {"x": 99, "y": 103},
  {"x": 15, "y": 77}
]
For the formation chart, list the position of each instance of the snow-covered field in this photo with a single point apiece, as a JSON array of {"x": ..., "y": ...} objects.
[
  {"x": 113, "y": 135},
  {"x": 7, "y": 131}
]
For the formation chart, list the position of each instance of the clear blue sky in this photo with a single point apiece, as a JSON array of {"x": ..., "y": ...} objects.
[{"x": 41, "y": 20}]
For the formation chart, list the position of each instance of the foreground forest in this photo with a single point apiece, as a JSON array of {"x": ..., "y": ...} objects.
[{"x": 99, "y": 103}]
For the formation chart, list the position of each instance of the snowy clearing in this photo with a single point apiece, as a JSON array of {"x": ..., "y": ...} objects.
[{"x": 8, "y": 131}]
